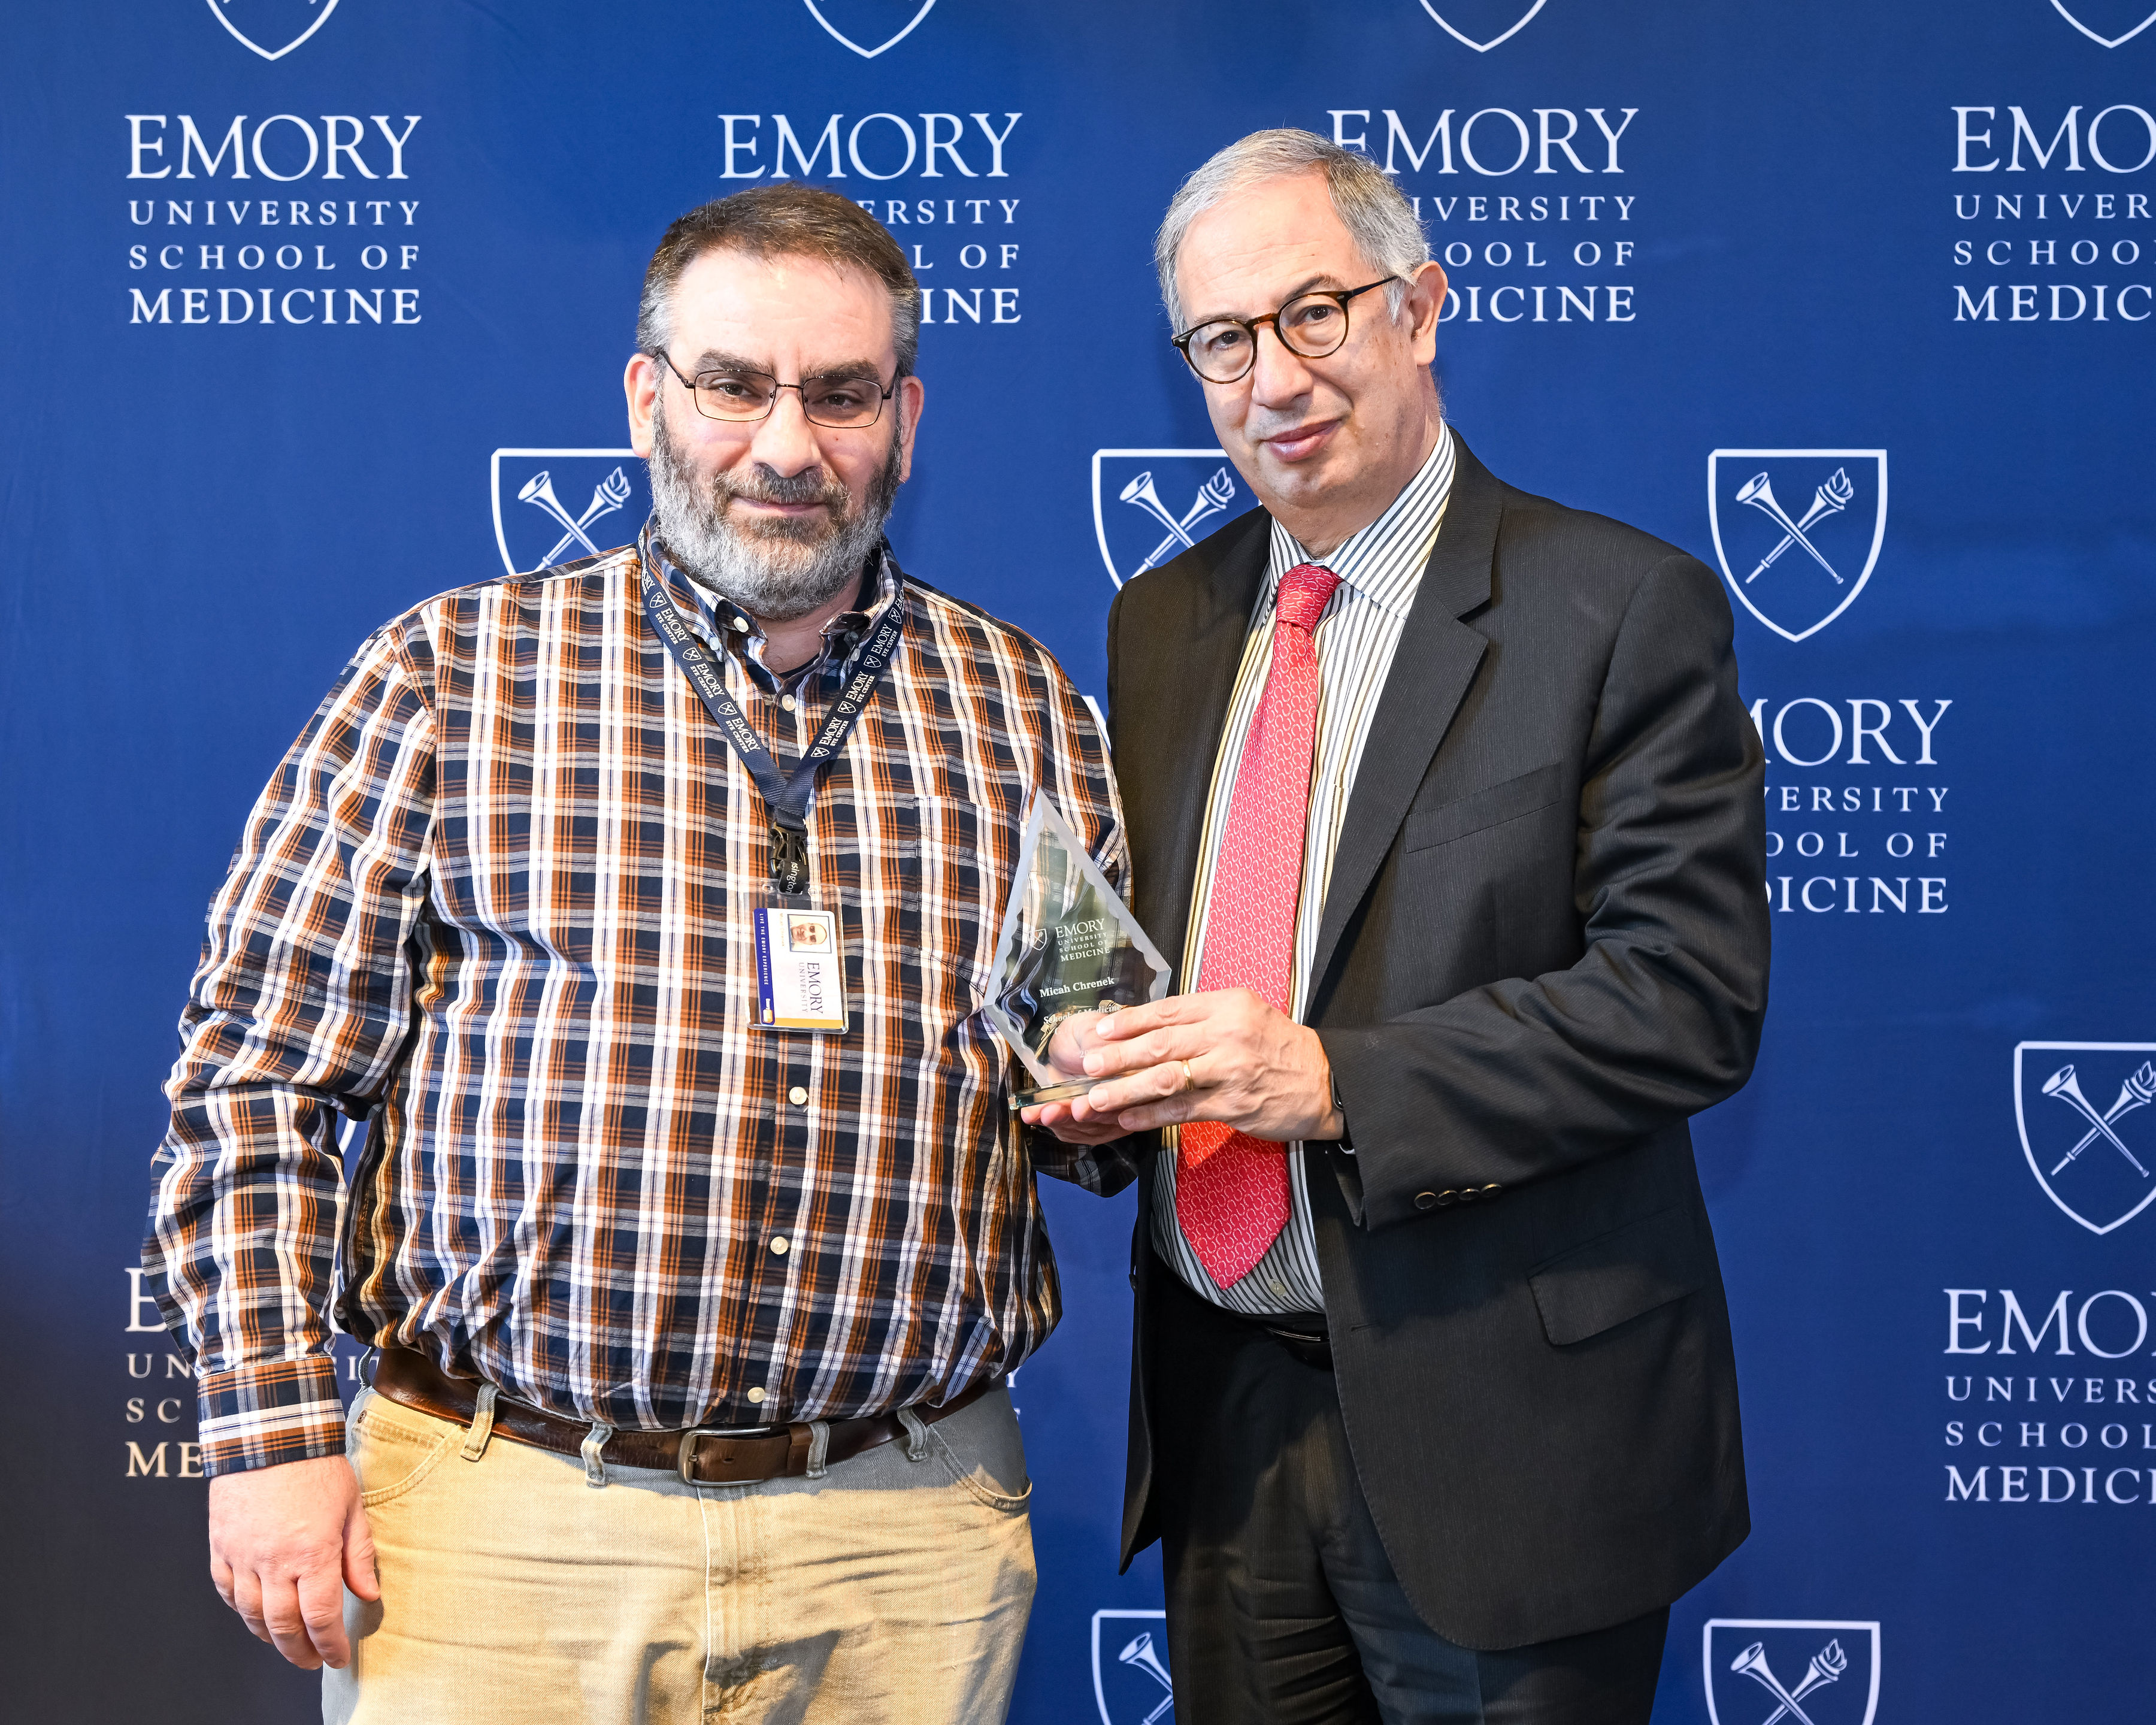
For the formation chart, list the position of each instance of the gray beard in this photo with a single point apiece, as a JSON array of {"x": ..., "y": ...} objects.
[{"x": 777, "y": 571}]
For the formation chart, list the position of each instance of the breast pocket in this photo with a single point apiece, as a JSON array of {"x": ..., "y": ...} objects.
[{"x": 1512, "y": 800}]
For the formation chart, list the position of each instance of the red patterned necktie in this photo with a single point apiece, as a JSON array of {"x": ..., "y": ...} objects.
[{"x": 1231, "y": 1188}]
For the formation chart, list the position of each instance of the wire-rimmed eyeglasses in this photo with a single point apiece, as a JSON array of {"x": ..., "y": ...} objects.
[
  {"x": 738, "y": 396},
  {"x": 1222, "y": 349}
]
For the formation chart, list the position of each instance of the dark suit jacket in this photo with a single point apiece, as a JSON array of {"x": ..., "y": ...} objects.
[{"x": 1544, "y": 946}]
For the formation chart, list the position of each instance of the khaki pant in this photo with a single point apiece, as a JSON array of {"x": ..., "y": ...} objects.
[{"x": 515, "y": 1592}]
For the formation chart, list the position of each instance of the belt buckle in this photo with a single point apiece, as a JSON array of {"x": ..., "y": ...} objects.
[{"x": 686, "y": 1455}]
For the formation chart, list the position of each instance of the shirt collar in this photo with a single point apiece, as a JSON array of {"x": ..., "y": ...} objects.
[
  {"x": 1384, "y": 561},
  {"x": 728, "y": 630}
]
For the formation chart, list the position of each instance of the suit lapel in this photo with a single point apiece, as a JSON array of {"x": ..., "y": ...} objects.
[
  {"x": 1191, "y": 739},
  {"x": 1432, "y": 668}
]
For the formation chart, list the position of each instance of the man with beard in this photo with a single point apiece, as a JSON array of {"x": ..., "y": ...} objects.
[{"x": 642, "y": 906}]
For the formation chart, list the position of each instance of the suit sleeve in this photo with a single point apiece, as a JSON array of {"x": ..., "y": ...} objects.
[{"x": 1661, "y": 1016}]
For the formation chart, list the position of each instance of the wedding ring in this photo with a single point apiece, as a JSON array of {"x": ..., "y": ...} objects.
[{"x": 1190, "y": 1081}]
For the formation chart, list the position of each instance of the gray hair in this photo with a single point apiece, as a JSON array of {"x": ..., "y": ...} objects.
[
  {"x": 1382, "y": 222},
  {"x": 788, "y": 221}
]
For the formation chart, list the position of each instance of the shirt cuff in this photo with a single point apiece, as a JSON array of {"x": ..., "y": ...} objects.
[
  {"x": 261, "y": 1415},
  {"x": 1347, "y": 1138},
  {"x": 1101, "y": 1169}
]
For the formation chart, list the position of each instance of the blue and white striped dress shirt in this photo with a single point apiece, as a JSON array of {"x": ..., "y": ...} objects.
[{"x": 1380, "y": 568}]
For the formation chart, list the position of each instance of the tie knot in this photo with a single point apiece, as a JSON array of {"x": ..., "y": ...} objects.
[{"x": 1304, "y": 591}]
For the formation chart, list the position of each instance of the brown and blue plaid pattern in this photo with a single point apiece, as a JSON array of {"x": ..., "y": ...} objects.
[{"x": 498, "y": 890}]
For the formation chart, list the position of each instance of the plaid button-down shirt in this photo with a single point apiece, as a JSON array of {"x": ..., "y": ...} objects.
[{"x": 499, "y": 892}]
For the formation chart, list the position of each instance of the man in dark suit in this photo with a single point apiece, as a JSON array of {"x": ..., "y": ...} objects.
[{"x": 1443, "y": 796}]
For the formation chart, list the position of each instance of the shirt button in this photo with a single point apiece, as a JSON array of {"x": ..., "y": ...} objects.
[
  {"x": 798, "y": 1096},
  {"x": 741, "y": 624},
  {"x": 1278, "y": 1287},
  {"x": 786, "y": 701},
  {"x": 778, "y": 1244},
  {"x": 757, "y": 1395}
]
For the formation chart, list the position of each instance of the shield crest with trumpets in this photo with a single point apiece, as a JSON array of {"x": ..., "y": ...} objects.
[
  {"x": 1151, "y": 505},
  {"x": 1798, "y": 531},
  {"x": 2079, "y": 1107},
  {"x": 555, "y": 506},
  {"x": 1788, "y": 1670},
  {"x": 2108, "y": 23},
  {"x": 273, "y": 30},
  {"x": 1482, "y": 24},
  {"x": 1131, "y": 1683},
  {"x": 869, "y": 27}
]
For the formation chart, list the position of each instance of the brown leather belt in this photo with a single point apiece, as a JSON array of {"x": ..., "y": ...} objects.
[{"x": 703, "y": 1455}]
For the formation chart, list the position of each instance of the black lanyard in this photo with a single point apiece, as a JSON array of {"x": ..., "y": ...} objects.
[{"x": 786, "y": 799}]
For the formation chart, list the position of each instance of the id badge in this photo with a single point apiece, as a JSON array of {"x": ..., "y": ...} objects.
[{"x": 800, "y": 972}]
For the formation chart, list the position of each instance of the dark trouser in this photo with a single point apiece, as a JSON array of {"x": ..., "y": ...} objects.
[{"x": 1282, "y": 1606}]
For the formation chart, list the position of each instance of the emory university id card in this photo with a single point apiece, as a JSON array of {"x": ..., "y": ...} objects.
[{"x": 800, "y": 974}]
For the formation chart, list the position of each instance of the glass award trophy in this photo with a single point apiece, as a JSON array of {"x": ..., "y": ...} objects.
[{"x": 1068, "y": 945}]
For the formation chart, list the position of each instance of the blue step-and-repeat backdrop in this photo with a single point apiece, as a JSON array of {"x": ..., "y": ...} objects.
[{"x": 313, "y": 308}]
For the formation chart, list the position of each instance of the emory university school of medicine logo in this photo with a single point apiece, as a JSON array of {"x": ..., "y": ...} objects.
[
  {"x": 1145, "y": 528},
  {"x": 555, "y": 506},
  {"x": 1797, "y": 560},
  {"x": 866, "y": 18},
  {"x": 291, "y": 22},
  {"x": 2128, "y": 18},
  {"x": 1786, "y": 1671},
  {"x": 2091, "y": 1160},
  {"x": 1491, "y": 21},
  {"x": 1131, "y": 1684}
]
